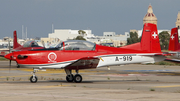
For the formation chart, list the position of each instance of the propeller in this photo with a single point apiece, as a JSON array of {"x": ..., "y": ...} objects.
[
  {"x": 9, "y": 52},
  {"x": 9, "y": 66}
]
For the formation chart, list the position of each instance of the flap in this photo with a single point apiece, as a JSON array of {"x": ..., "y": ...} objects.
[
  {"x": 150, "y": 54},
  {"x": 156, "y": 54},
  {"x": 84, "y": 63}
]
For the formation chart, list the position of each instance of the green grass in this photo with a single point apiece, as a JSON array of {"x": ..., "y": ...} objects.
[
  {"x": 165, "y": 63},
  {"x": 3, "y": 59},
  {"x": 178, "y": 91},
  {"x": 152, "y": 89}
]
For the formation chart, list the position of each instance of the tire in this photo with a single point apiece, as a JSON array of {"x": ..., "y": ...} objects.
[
  {"x": 18, "y": 66},
  {"x": 68, "y": 78},
  {"x": 77, "y": 78},
  {"x": 33, "y": 80}
]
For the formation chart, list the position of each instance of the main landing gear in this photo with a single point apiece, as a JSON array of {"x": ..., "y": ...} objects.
[{"x": 70, "y": 78}]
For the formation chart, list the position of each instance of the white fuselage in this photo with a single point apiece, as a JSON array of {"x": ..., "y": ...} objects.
[{"x": 128, "y": 59}]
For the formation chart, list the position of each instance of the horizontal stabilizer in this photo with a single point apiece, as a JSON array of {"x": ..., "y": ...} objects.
[{"x": 172, "y": 60}]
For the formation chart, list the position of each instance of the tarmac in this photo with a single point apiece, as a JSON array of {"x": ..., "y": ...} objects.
[{"x": 134, "y": 82}]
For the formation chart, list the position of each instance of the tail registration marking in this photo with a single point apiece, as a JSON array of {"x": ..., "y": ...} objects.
[{"x": 124, "y": 58}]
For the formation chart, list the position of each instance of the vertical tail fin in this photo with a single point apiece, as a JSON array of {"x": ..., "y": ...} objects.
[
  {"x": 150, "y": 39},
  {"x": 174, "y": 40},
  {"x": 15, "y": 43}
]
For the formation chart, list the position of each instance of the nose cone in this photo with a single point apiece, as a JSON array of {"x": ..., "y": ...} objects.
[{"x": 8, "y": 56}]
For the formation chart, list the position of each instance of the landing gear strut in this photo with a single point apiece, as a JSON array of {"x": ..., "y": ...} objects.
[
  {"x": 34, "y": 78},
  {"x": 70, "y": 78}
]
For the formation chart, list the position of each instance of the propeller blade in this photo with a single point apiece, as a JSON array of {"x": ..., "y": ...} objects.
[
  {"x": 9, "y": 62},
  {"x": 9, "y": 66},
  {"x": 9, "y": 45}
]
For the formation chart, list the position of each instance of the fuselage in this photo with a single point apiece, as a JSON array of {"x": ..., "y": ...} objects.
[{"x": 56, "y": 58}]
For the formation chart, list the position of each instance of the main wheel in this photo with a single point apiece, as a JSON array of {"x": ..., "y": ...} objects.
[
  {"x": 69, "y": 79},
  {"x": 18, "y": 66},
  {"x": 33, "y": 80},
  {"x": 77, "y": 78}
]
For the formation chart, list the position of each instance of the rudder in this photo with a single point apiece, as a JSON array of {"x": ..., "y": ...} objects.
[
  {"x": 150, "y": 39},
  {"x": 174, "y": 40},
  {"x": 15, "y": 43}
]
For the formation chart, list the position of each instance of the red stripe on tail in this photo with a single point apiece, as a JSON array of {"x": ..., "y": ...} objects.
[
  {"x": 149, "y": 41},
  {"x": 174, "y": 40},
  {"x": 15, "y": 43}
]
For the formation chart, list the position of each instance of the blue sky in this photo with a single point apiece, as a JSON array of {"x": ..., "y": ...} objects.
[{"x": 97, "y": 15}]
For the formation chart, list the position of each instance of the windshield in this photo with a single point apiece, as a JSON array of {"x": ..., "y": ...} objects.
[
  {"x": 30, "y": 44},
  {"x": 76, "y": 45}
]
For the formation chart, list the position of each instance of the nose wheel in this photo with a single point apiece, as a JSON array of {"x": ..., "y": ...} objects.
[{"x": 33, "y": 79}]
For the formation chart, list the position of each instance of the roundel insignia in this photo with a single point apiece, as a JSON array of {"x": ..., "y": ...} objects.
[{"x": 52, "y": 57}]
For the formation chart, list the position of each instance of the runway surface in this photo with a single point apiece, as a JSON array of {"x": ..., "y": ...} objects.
[{"x": 133, "y": 82}]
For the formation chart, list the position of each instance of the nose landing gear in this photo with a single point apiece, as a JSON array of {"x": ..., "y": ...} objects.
[{"x": 33, "y": 78}]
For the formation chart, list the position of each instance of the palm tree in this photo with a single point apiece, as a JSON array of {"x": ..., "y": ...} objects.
[{"x": 81, "y": 32}]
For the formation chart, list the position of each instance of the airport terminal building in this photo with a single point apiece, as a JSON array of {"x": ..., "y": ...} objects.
[{"x": 108, "y": 38}]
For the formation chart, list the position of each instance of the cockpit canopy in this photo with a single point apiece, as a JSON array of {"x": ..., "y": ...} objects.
[
  {"x": 76, "y": 45},
  {"x": 31, "y": 44}
]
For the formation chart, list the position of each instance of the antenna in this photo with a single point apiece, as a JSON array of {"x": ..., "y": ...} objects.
[
  {"x": 26, "y": 33},
  {"x": 52, "y": 27},
  {"x": 22, "y": 32}
]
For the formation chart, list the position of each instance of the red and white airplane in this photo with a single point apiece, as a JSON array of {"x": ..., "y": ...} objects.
[
  {"x": 174, "y": 46},
  {"x": 29, "y": 45},
  {"x": 77, "y": 55}
]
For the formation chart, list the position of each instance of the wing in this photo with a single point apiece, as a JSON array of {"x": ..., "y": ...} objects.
[
  {"x": 84, "y": 63},
  {"x": 172, "y": 60}
]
